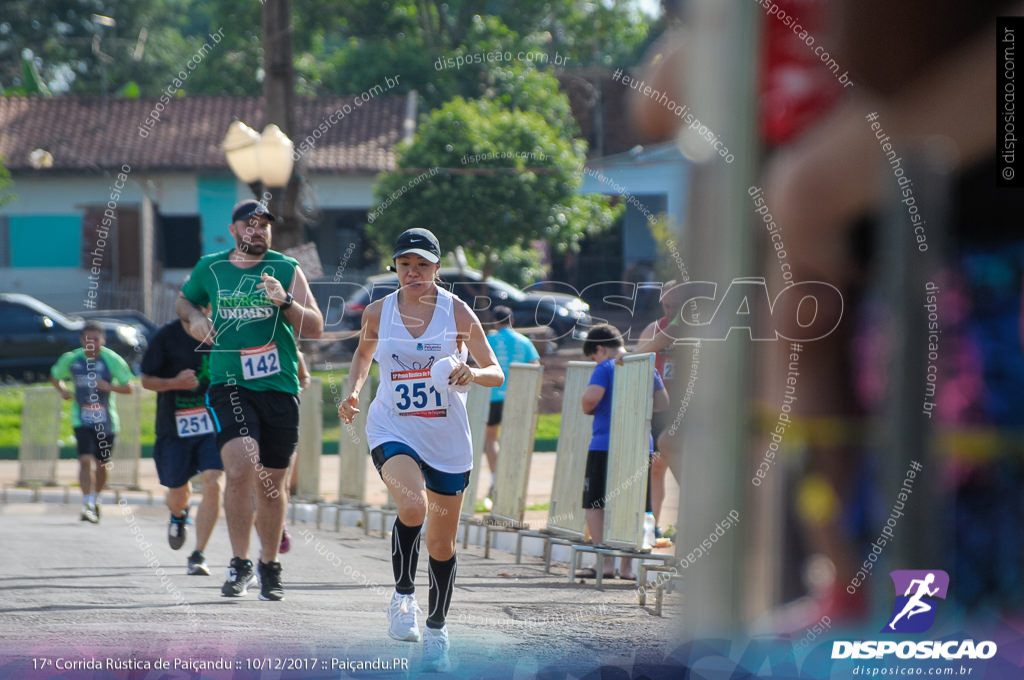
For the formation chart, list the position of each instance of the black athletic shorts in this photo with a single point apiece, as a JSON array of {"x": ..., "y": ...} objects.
[
  {"x": 494, "y": 417},
  {"x": 268, "y": 416},
  {"x": 95, "y": 441},
  {"x": 660, "y": 421},
  {"x": 595, "y": 481}
]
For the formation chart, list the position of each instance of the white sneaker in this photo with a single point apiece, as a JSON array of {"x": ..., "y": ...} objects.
[
  {"x": 89, "y": 514},
  {"x": 435, "y": 649},
  {"x": 402, "y": 613}
]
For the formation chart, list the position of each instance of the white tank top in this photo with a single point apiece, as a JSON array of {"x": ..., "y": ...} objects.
[{"x": 407, "y": 408}]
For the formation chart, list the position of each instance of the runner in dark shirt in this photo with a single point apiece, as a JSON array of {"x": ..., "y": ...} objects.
[{"x": 177, "y": 367}]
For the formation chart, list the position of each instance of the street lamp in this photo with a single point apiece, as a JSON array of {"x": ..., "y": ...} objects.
[
  {"x": 258, "y": 159},
  {"x": 263, "y": 161}
]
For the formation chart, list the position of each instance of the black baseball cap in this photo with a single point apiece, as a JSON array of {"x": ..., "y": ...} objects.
[
  {"x": 245, "y": 209},
  {"x": 419, "y": 241}
]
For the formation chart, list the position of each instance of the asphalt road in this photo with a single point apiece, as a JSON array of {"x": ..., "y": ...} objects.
[{"x": 77, "y": 594}]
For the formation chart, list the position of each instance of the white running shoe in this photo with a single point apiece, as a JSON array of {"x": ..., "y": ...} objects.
[
  {"x": 402, "y": 624},
  {"x": 89, "y": 514},
  {"x": 435, "y": 649}
]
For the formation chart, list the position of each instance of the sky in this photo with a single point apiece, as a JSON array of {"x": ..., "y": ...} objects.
[{"x": 650, "y": 7}]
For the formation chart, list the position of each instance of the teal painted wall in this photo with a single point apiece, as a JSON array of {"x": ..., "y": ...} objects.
[
  {"x": 45, "y": 240},
  {"x": 217, "y": 197}
]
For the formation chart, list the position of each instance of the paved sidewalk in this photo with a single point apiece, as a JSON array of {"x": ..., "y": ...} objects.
[{"x": 538, "y": 491}]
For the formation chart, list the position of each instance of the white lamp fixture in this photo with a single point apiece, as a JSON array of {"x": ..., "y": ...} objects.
[
  {"x": 40, "y": 159},
  {"x": 275, "y": 156},
  {"x": 265, "y": 158},
  {"x": 240, "y": 144}
]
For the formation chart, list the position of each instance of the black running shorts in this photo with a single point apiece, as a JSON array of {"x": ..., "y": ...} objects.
[
  {"x": 494, "y": 416},
  {"x": 595, "y": 481},
  {"x": 268, "y": 416},
  {"x": 95, "y": 441}
]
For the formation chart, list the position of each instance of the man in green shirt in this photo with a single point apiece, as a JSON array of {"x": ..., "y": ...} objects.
[
  {"x": 260, "y": 303},
  {"x": 95, "y": 372}
]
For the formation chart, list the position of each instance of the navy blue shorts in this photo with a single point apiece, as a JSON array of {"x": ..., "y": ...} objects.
[
  {"x": 444, "y": 483},
  {"x": 178, "y": 459}
]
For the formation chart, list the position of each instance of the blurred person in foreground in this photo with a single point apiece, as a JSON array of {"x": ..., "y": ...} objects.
[{"x": 926, "y": 71}]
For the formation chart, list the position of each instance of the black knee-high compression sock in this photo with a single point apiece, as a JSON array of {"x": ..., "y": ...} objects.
[
  {"x": 405, "y": 554},
  {"x": 442, "y": 583}
]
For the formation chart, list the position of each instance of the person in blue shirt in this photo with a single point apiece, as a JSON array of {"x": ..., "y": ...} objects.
[
  {"x": 510, "y": 347},
  {"x": 604, "y": 345}
]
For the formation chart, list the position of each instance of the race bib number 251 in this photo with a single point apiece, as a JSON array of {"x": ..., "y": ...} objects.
[{"x": 192, "y": 422}]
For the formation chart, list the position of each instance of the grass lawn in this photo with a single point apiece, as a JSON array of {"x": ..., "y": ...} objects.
[{"x": 12, "y": 398}]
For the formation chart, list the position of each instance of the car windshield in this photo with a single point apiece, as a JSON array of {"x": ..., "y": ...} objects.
[
  {"x": 507, "y": 289},
  {"x": 47, "y": 310}
]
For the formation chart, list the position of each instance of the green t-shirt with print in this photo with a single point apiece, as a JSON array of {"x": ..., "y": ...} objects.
[
  {"x": 254, "y": 344},
  {"x": 93, "y": 407}
]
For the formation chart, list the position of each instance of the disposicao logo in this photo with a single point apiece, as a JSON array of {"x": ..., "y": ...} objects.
[
  {"x": 917, "y": 595},
  {"x": 914, "y": 611}
]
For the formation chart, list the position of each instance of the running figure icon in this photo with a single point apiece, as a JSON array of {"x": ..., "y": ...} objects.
[{"x": 915, "y": 605}]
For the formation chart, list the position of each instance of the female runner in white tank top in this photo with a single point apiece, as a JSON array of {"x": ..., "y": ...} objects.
[{"x": 417, "y": 428}]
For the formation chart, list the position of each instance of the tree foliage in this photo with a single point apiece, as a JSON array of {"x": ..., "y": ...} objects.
[
  {"x": 6, "y": 195},
  {"x": 507, "y": 178},
  {"x": 340, "y": 48}
]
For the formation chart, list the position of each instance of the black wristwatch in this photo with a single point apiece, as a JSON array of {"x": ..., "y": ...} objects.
[{"x": 288, "y": 300}]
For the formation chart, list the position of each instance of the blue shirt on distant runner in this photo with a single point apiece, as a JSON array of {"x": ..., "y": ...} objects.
[
  {"x": 603, "y": 374},
  {"x": 510, "y": 347}
]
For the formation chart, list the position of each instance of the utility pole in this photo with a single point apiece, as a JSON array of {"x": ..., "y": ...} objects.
[{"x": 279, "y": 108}]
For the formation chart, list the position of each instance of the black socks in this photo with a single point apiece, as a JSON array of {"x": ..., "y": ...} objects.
[
  {"x": 442, "y": 583},
  {"x": 405, "y": 554}
]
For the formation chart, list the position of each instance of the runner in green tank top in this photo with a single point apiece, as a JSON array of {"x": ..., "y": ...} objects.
[{"x": 260, "y": 303}]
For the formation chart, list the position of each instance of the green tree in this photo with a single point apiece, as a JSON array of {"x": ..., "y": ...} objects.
[
  {"x": 6, "y": 195},
  {"x": 74, "y": 51},
  {"x": 340, "y": 48},
  {"x": 506, "y": 178},
  {"x": 370, "y": 40}
]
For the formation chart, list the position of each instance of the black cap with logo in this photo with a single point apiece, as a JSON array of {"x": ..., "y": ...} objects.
[{"x": 420, "y": 242}]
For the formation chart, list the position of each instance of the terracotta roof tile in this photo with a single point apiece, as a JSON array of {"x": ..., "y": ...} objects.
[{"x": 86, "y": 135}]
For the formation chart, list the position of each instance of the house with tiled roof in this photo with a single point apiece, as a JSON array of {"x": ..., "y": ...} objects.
[{"x": 77, "y": 160}]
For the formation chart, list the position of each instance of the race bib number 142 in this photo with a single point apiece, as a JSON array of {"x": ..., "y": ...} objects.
[{"x": 259, "y": 362}]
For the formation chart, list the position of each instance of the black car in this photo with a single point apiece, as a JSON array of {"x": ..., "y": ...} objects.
[
  {"x": 567, "y": 316},
  {"x": 33, "y": 335},
  {"x": 131, "y": 317}
]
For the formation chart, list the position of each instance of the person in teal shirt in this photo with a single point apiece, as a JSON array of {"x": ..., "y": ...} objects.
[
  {"x": 95, "y": 372},
  {"x": 510, "y": 347}
]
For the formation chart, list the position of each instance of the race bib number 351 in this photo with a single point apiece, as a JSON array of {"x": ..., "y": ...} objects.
[
  {"x": 415, "y": 395},
  {"x": 193, "y": 422},
  {"x": 259, "y": 362}
]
